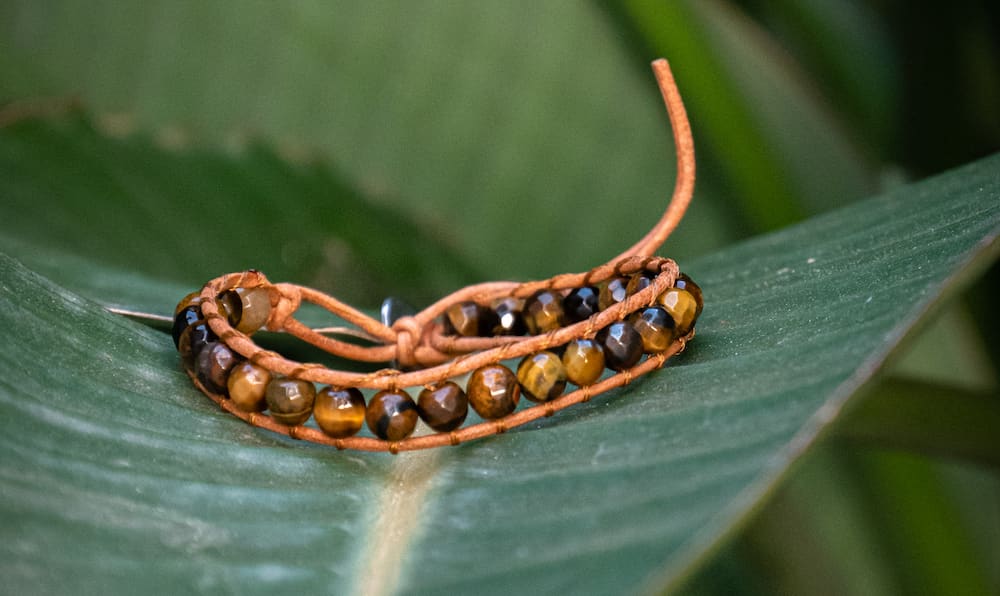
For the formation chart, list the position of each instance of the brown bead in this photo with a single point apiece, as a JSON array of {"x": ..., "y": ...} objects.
[
  {"x": 339, "y": 412},
  {"x": 493, "y": 391},
  {"x": 469, "y": 319},
  {"x": 581, "y": 303},
  {"x": 638, "y": 283},
  {"x": 444, "y": 407},
  {"x": 542, "y": 376},
  {"x": 656, "y": 328},
  {"x": 682, "y": 307},
  {"x": 543, "y": 312},
  {"x": 247, "y": 309},
  {"x": 184, "y": 318},
  {"x": 247, "y": 385},
  {"x": 686, "y": 283},
  {"x": 509, "y": 317},
  {"x": 213, "y": 364},
  {"x": 290, "y": 401},
  {"x": 612, "y": 292},
  {"x": 584, "y": 362},
  {"x": 622, "y": 345},
  {"x": 391, "y": 415},
  {"x": 192, "y": 299},
  {"x": 192, "y": 340}
]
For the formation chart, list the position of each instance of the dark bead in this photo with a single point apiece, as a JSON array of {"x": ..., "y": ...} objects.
[
  {"x": 190, "y": 300},
  {"x": 443, "y": 408},
  {"x": 184, "y": 319},
  {"x": 580, "y": 304},
  {"x": 391, "y": 415},
  {"x": 493, "y": 391},
  {"x": 682, "y": 306},
  {"x": 469, "y": 319},
  {"x": 613, "y": 291},
  {"x": 622, "y": 345},
  {"x": 542, "y": 376},
  {"x": 394, "y": 309},
  {"x": 584, "y": 361},
  {"x": 247, "y": 385},
  {"x": 686, "y": 283},
  {"x": 656, "y": 327},
  {"x": 212, "y": 366},
  {"x": 192, "y": 340},
  {"x": 339, "y": 412},
  {"x": 247, "y": 309},
  {"x": 510, "y": 318},
  {"x": 543, "y": 312},
  {"x": 290, "y": 401},
  {"x": 638, "y": 283}
]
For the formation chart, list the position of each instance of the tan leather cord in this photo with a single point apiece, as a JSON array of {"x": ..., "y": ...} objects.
[{"x": 419, "y": 344}]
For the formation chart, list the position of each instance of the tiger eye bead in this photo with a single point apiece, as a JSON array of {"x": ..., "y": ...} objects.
[
  {"x": 543, "y": 312},
  {"x": 192, "y": 340},
  {"x": 469, "y": 319},
  {"x": 510, "y": 320},
  {"x": 584, "y": 361},
  {"x": 339, "y": 412},
  {"x": 493, "y": 391},
  {"x": 686, "y": 283},
  {"x": 682, "y": 307},
  {"x": 656, "y": 328},
  {"x": 213, "y": 364},
  {"x": 638, "y": 283},
  {"x": 542, "y": 376},
  {"x": 183, "y": 319},
  {"x": 622, "y": 345},
  {"x": 444, "y": 407},
  {"x": 192, "y": 299},
  {"x": 290, "y": 401},
  {"x": 612, "y": 292},
  {"x": 580, "y": 304},
  {"x": 391, "y": 415},
  {"x": 247, "y": 309},
  {"x": 247, "y": 385}
]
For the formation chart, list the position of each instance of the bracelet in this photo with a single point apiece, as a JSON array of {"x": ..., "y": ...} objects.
[{"x": 627, "y": 316}]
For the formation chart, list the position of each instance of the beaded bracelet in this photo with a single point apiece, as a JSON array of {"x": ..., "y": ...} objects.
[{"x": 628, "y": 316}]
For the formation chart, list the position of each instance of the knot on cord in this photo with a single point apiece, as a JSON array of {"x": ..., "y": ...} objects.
[
  {"x": 285, "y": 300},
  {"x": 409, "y": 333}
]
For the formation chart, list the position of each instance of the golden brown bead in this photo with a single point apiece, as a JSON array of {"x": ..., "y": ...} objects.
[
  {"x": 247, "y": 385},
  {"x": 247, "y": 309},
  {"x": 444, "y": 407},
  {"x": 638, "y": 283},
  {"x": 509, "y": 317},
  {"x": 469, "y": 319},
  {"x": 612, "y": 292},
  {"x": 656, "y": 328},
  {"x": 543, "y": 312},
  {"x": 682, "y": 306},
  {"x": 339, "y": 412},
  {"x": 212, "y": 366},
  {"x": 493, "y": 391},
  {"x": 622, "y": 345},
  {"x": 290, "y": 401},
  {"x": 686, "y": 283},
  {"x": 584, "y": 361},
  {"x": 542, "y": 376},
  {"x": 192, "y": 299},
  {"x": 391, "y": 415}
]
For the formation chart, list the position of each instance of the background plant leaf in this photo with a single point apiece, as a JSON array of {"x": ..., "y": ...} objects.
[{"x": 118, "y": 474}]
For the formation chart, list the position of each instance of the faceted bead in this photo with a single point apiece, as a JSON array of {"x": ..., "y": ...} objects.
[
  {"x": 682, "y": 306},
  {"x": 584, "y": 361},
  {"x": 391, "y": 415},
  {"x": 213, "y": 364},
  {"x": 290, "y": 401},
  {"x": 493, "y": 391},
  {"x": 622, "y": 345},
  {"x": 183, "y": 319},
  {"x": 612, "y": 292},
  {"x": 580, "y": 304},
  {"x": 443, "y": 408},
  {"x": 247, "y": 309},
  {"x": 686, "y": 283},
  {"x": 656, "y": 327},
  {"x": 192, "y": 340},
  {"x": 543, "y": 312},
  {"x": 191, "y": 299},
  {"x": 469, "y": 319},
  {"x": 542, "y": 376},
  {"x": 339, "y": 412},
  {"x": 247, "y": 385},
  {"x": 510, "y": 320}
]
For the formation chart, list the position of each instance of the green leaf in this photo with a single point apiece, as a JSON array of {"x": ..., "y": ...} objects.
[{"x": 117, "y": 473}]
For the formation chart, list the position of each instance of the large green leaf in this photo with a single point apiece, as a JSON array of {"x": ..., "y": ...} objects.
[{"x": 118, "y": 476}]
